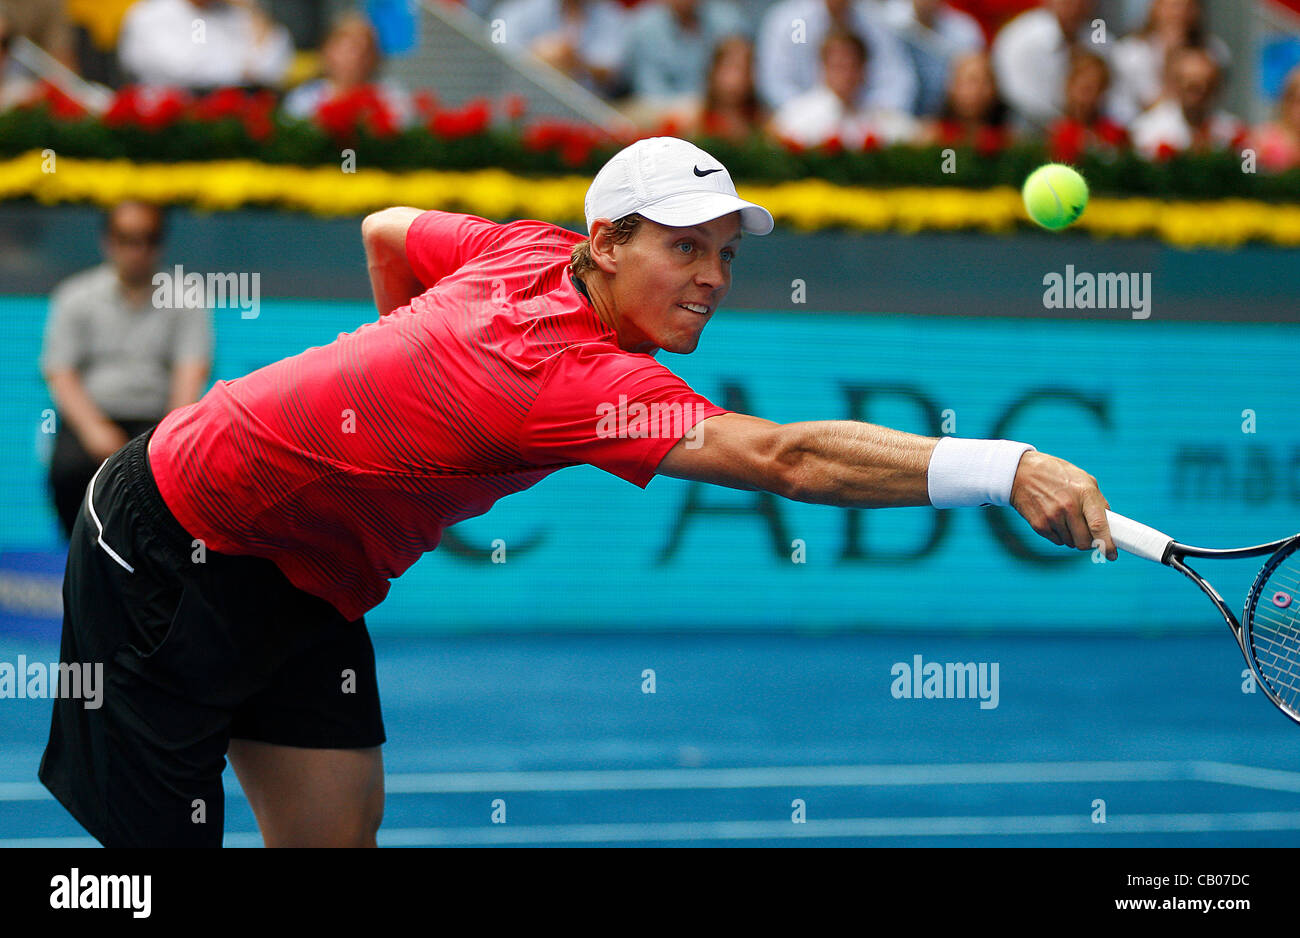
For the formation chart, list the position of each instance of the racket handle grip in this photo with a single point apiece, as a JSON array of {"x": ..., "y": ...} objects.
[{"x": 1138, "y": 539}]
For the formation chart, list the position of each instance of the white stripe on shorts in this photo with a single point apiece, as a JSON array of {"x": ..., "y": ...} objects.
[{"x": 90, "y": 507}]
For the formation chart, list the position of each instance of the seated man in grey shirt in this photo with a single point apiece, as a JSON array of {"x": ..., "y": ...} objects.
[{"x": 116, "y": 362}]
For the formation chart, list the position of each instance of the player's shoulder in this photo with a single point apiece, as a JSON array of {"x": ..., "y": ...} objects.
[
  {"x": 532, "y": 227},
  {"x": 531, "y": 236}
]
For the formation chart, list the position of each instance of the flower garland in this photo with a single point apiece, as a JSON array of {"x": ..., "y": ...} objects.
[{"x": 805, "y": 205}]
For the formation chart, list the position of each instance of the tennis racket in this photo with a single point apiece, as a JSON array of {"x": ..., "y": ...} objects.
[{"x": 1270, "y": 636}]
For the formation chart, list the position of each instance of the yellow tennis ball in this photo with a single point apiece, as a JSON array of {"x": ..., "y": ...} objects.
[{"x": 1055, "y": 196}]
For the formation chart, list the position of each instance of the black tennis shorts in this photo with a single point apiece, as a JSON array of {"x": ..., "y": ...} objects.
[{"x": 197, "y": 648}]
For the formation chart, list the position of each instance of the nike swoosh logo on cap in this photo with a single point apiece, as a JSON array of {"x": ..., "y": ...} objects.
[{"x": 705, "y": 172}]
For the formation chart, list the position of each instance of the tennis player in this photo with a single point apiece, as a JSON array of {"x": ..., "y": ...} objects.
[{"x": 222, "y": 563}]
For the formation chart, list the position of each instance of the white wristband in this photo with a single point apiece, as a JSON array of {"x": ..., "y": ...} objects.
[{"x": 966, "y": 473}]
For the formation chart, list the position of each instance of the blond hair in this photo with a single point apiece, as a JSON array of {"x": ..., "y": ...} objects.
[{"x": 621, "y": 231}]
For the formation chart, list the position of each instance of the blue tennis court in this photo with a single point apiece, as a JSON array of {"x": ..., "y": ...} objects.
[{"x": 554, "y": 740}]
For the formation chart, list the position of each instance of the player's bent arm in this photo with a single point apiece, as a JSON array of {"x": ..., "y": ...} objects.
[
  {"x": 391, "y": 279},
  {"x": 188, "y": 379},
  {"x": 843, "y": 463}
]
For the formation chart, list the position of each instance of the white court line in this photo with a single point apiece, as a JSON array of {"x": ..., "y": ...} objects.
[
  {"x": 862, "y": 828},
  {"x": 47, "y": 842},
  {"x": 848, "y": 776},
  {"x": 1247, "y": 775},
  {"x": 24, "y": 791},
  {"x": 866, "y": 828}
]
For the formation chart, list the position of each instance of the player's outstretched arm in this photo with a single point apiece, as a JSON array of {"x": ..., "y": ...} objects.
[{"x": 850, "y": 464}]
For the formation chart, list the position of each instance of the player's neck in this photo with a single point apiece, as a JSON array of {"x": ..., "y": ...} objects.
[{"x": 602, "y": 305}]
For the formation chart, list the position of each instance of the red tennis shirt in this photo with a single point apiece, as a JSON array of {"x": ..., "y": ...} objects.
[{"x": 344, "y": 463}]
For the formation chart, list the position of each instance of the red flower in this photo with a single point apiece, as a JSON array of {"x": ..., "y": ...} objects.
[
  {"x": 149, "y": 108},
  {"x": 515, "y": 106},
  {"x": 950, "y": 133},
  {"x": 1066, "y": 140},
  {"x": 342, "y": 114},
  {"x": 426, "y": 104},
  {"x": 258, "y": 114},
  {"x": 990, "y": 140},
  {"x": 1111, "y": 133},
  {"x": 668, "y": 127},
  {"x": 220, "y": 104},
  {"x": 61, "y": 105},
  {"x": 869, "y": 143},
  {"x": 379, "y": 120},
  {"x": 472, "y": 118},
  {"x": 576, "y": 150},
  {"x": 542, "y": 135},
  {"x": 478, "y": 115},
  {"x": 833, "y": 145},
  {"x": 1165, "y": 151}
]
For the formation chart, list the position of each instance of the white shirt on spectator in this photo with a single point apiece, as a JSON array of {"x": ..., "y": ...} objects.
[
  {"x": 665, "y": 60},
  {"x": 1165, "y": 123},
  {"x": 602, "y": 42},
  {"x": 784, "y": 68},
  {"x": 174, "y": 43},
  {"x": 1137, "y": 79},
  {"x": 1031, "y": 59},
  {"x": 818, "y": 115},
  {"x": 933, "y": 48}
]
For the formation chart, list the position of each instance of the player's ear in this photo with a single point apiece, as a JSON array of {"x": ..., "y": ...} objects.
[{"x": 602, "y": 245}]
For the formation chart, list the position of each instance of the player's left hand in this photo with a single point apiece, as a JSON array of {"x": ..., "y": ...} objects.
[{"x": 1061, "y": 502}]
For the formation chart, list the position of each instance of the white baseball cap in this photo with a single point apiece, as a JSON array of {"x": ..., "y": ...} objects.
[{"x": 672, "y": 182}]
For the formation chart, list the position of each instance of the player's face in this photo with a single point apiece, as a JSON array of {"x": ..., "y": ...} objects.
[{"x": 669, "y": 282}]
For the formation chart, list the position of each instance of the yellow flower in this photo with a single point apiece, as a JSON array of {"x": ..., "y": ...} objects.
[{"x": 803, "y": 205}]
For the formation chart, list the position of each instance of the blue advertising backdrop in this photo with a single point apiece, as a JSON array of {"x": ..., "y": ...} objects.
[{"x": 1189, "y": 427}]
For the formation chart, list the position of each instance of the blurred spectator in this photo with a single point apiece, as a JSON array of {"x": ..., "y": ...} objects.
[
  {"x": 935, "y": 35},
  {"x": 1188, "y": 119},
  {"x": 45, "y": 23},
  {"x": 16, "y": 89},
  {"x": 791, "y": 33},
  {"x": 974, "y": 113},
  {"x": 1278, "y": 142},
  {"x": 731, "y": 110},
  {"x": 833, "y": 111},
  {"x": 669, "y": 45},
  {"x": 1140, "y": 59},
  {"x": 203, "y": 44},
  {"x": 116, "y": 362},
  {"x": 584, "y": 39},
  {"x": 350, "y": 59},
  {"x": 1031, "y": 55},
  {"x": 96, "y": 25},
  {"x": 1084, "y": 125}
]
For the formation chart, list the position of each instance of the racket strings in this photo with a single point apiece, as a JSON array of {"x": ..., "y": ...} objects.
[{"x": 1275, "y": 631}]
